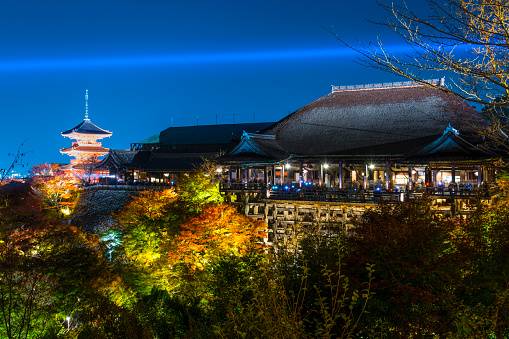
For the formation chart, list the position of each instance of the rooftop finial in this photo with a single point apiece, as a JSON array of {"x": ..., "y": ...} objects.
[{"x": 86, "y": 104}]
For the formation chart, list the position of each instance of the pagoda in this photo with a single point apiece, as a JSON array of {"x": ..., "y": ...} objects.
[{"x": 86, "y": 149}]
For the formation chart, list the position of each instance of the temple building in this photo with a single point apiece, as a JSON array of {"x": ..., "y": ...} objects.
[
  {"x": 390, "y": 137},
  {"x": 86, "y": 149},
  {"x": 163, "y": 157}
]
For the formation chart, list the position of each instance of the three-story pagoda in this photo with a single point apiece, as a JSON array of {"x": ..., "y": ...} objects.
[{"x": 86, "y": 149}]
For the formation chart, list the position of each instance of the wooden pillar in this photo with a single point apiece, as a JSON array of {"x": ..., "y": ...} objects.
[
  {"x": 409, "y": 177},
  {"x": 366, "y": 173},
  {"x": 246, "y": 204},
  {"x": 273, "y": 174},
  {"x": 289, "y": 174},
  {"x": 340, "y": 175},
  {"x": 266, "y": 175},
  {"x": 453, "y": 174},
  {"x": 427, "y": 176},
  {"x": 282, "y": 175},
  {"x": 229, "y": 174},
  {"x": 321, "y": 175},
  {"x": 387, "y": 176},
  {"x": 301, "y": 175},
  {"x": 344, "y": 216},
  {"x": 274, "y": 224}
]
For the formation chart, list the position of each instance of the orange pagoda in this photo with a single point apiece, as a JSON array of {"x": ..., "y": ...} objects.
[{"x": 86, "y": 149}]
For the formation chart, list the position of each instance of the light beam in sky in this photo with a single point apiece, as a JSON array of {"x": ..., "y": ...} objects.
[{"x": 179, "y": 59}]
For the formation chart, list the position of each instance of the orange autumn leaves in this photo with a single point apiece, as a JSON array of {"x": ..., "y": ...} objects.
[
  {"x": 218, "y": 230},
  {"x": 161, "y": 233},
  {"x": 57, "y": 189}
]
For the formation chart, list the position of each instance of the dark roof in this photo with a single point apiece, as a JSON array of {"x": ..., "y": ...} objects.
[
  {"x": 205, "y": 134},
  {"x": 452, "y": 146},
  {"x": 84, "y": 149},
  {"x": 130, "y": 158},
  {"x": 256, "y": 148},
  {"x": 173, "y": 162},
  {"x": 87, "y": 127},
  {"x": 126, "y": 159},
  {"x": 354, "y": 119},
  {"x": 152, "y": 161}
]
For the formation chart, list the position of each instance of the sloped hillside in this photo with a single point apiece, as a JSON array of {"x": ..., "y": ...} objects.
[{"x": 94, "y": 208}]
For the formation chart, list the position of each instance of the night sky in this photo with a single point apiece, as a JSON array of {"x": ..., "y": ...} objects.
[{"x": 148, "y": 63}]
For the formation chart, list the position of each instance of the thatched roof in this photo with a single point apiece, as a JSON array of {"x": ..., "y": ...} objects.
[{"x": 353, "y": 119}]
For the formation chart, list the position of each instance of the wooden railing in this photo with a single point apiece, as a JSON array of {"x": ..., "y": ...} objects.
[
  {"x": 240, "y": 186},
  {"x": 360, "y": 196}
]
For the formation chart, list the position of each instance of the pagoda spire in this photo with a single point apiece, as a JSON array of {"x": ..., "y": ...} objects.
[{"x": 86, "y": 104}]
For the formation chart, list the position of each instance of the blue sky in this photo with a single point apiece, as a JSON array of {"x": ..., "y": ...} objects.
[{"x": 148, "y": 63}]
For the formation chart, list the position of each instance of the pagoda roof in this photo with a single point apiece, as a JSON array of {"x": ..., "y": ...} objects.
[
  {"x": 368, "y": 116},
  {"x": 84, "y": 149},
  {"x": 204, "y": 134},
  {"x": 87, "y": 127}
]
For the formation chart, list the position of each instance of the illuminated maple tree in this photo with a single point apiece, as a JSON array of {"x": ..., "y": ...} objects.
[
  {"x": 44, "y": 169},
  {"x": 168, "y": 235},
  {"x": 218, "y": 230},
  {"x": 58, "y": 191}
]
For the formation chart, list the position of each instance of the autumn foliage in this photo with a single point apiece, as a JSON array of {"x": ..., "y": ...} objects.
[
  {"x": 58, "y": 190},
  {"x": 165, "y": 234},
  {"x": 218, "y": 230}
]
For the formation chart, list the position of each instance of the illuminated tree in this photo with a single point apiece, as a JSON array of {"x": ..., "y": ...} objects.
[
  {"x": 198, "y": 189},
  {"x": 59, "y": 191},
  {"x": 54, "y": 279},
  {"x": 43, "y": 170},
  {"x": 464, "y": 39},
  {"x": 218, "y": 230},
  {"x": 163, "y": 234}
]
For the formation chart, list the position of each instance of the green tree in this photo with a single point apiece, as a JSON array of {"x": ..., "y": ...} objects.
[
  {"x": 481, "y": 246},
  {"x": 198, "y": 189},
  {"x": 410, "y": 248}
]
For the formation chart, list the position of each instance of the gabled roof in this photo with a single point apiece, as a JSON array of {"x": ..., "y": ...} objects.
[
  {"x": 205, "y": 134},
  {"x": 127, "y": 159},
  {"x": 357, "y": 118},
  {"x": 451, "y": 146},
  {"x": 87, "y": 127},
  {"x": 259, "y": 144}
]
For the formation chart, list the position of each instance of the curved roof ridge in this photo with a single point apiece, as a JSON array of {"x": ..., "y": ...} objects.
[
  {"x": 87, "y": 127},
  {"x": 437, "y": 82}
]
